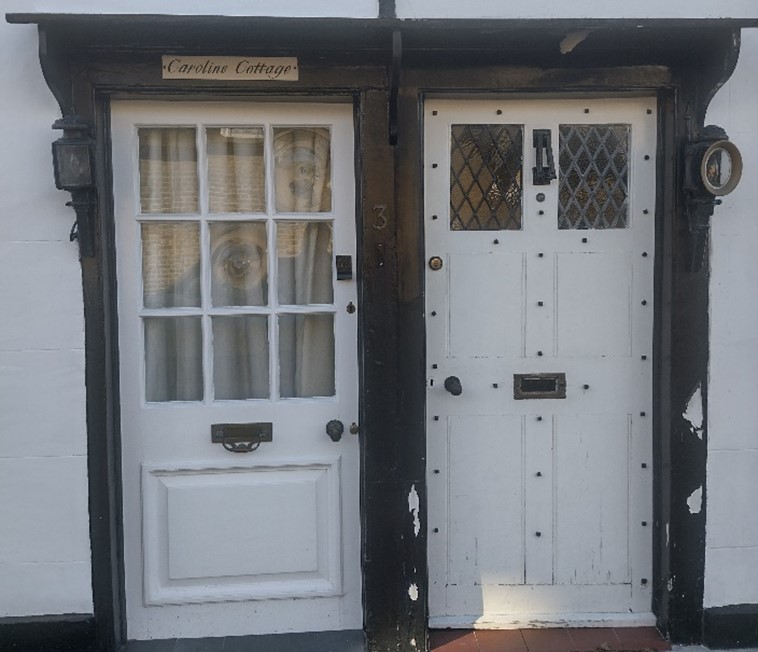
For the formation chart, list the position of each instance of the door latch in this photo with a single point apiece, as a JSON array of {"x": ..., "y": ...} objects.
[{"x": 544, "y": 171}]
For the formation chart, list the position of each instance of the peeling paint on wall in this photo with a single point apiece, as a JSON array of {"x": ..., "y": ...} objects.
[
  {"x": 695, "y": 501},
  {"x": 413, "y": 508},
  {"x": 413, "y": 592},
  {"x": 694, "y": 412}
]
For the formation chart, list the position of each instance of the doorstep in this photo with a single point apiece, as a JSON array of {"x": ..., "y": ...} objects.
[
  {"x": 341, "y": 641},
  {"x": 564, "y": 639}
]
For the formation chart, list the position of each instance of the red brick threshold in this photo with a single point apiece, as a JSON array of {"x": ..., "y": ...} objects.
[{"x": 564, "y": 639}]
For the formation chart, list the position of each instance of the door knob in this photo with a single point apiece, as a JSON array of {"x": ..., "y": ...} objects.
[
  {"x": 335, "y": 429},
  {"x": 453, "y": 385}
]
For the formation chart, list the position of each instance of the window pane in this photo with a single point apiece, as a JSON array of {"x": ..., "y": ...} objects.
[
  {"x": 239, "y": 276},
  {"x": 302, "y": 175},
  {"x": 304, "y": 253},
  {"x": 593, "y": 179},
  {"x": 485, "y": 177},
  {"x": 236, "y": 172},
  {"x": 171, "y": 264},
  {"x": 173, "y": 359},
  {"x": 240, "y": 357},
  {"x": 168, "y": 170},
  {"x": 306, "y": 355}
]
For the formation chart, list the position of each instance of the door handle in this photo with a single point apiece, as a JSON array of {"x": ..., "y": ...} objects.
[
  {"x": 335, "y": 429},
  {"x": 544, "y": 172},
  {"x": 453, "y": 385}
]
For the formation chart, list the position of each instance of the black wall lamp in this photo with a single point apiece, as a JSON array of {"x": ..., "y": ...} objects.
[
  {"x": 713, "y": 168},
  {"x": 73, "y": 168}
]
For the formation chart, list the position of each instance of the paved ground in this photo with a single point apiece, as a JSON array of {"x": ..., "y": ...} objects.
[{"x": 700, "y": 648}]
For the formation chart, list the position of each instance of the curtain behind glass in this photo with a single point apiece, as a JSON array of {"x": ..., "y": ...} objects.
[
  {"x": 173, "y": 359},
  {"x": 236, "y": 173},
  {"x": 168, "y": 170},
  {"x": 304, "y": 253},
  {"x": 304, "y": 259},
  {"x": 238, "y": 263},
  {"x": 303, "y": 175}
]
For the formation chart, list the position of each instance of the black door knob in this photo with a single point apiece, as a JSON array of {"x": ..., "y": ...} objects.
[
  {"x": 453, "y": 385},
  {"x": 335, "y": 429}
]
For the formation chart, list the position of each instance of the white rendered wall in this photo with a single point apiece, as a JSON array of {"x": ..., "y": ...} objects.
[
  {"x": 732, "y": 517},
  {"x": 44, "y": 528},
  {"x": 277, "y": 8},
  {"x": 577, "y": 9}
]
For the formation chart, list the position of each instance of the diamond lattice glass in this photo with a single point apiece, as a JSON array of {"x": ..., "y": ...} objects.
[
  {"x": 485, "y": 177},
  {"x": 593, "y": 186}
]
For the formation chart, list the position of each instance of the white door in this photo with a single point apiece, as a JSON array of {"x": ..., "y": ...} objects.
[
  {"x": 539, "y": 308},
  {"x": 230, "y": 219}
]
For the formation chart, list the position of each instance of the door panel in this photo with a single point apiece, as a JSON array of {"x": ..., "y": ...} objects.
[
  {"x": 470, "y": 335},
  {"x": 228, "y": 220},
  {"x": 539, "y": 470}
]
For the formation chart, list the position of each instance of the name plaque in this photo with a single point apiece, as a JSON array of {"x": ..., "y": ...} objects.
[{"x": 230, "y": 68}]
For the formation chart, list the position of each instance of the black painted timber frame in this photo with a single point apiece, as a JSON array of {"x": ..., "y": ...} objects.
[{"x": 89, "y": 60}]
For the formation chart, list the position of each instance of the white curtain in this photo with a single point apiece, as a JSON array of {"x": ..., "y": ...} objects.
[
  {"x": 303, "y": 185},
  {"x": 236, "y": 174},
  {"x": 306, "y": 342},
  {"x": 168, "y": 170},
  {"x": 238, "y": 264}
]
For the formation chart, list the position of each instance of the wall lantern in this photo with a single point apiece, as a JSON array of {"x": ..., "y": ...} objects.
[
  {"x": 72, "y": 155},
  {"x": 74, "y": 171},
  {"x": 713, "y": 164},
  {"x": 713, "y": 167},
  {"x": 721, "y": 168}
]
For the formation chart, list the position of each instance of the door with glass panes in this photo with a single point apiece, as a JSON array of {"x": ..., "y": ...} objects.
[
  {"x": 237, "y": 348},
  {"x": 539, "y": 223}
]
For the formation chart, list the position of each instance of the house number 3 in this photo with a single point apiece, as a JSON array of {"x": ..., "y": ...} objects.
[{"x": 381, "y": 216}]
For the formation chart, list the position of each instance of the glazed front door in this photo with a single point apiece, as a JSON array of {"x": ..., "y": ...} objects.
[
  {"x": 539, "y": 222},
  {"x": 237, "y": 340}
]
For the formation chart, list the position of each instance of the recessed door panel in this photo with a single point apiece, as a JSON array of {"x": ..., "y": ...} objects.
[
  {"x": 500, "y": 334},
  {"x": 593, "y": 311}
]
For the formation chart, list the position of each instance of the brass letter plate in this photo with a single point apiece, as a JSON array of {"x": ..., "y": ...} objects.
[
  {"x": 526, "y": 386},
  {"x": 241, "y": 437}
]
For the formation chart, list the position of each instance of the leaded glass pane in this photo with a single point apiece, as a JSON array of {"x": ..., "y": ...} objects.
[
  {"x": 236, "y": 175},
  {"x": 593, "y": 187},
  {"x": 485, "y": 177}
]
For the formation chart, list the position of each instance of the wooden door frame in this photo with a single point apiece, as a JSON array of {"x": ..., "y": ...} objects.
[{"x": 89, "y": 60}]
